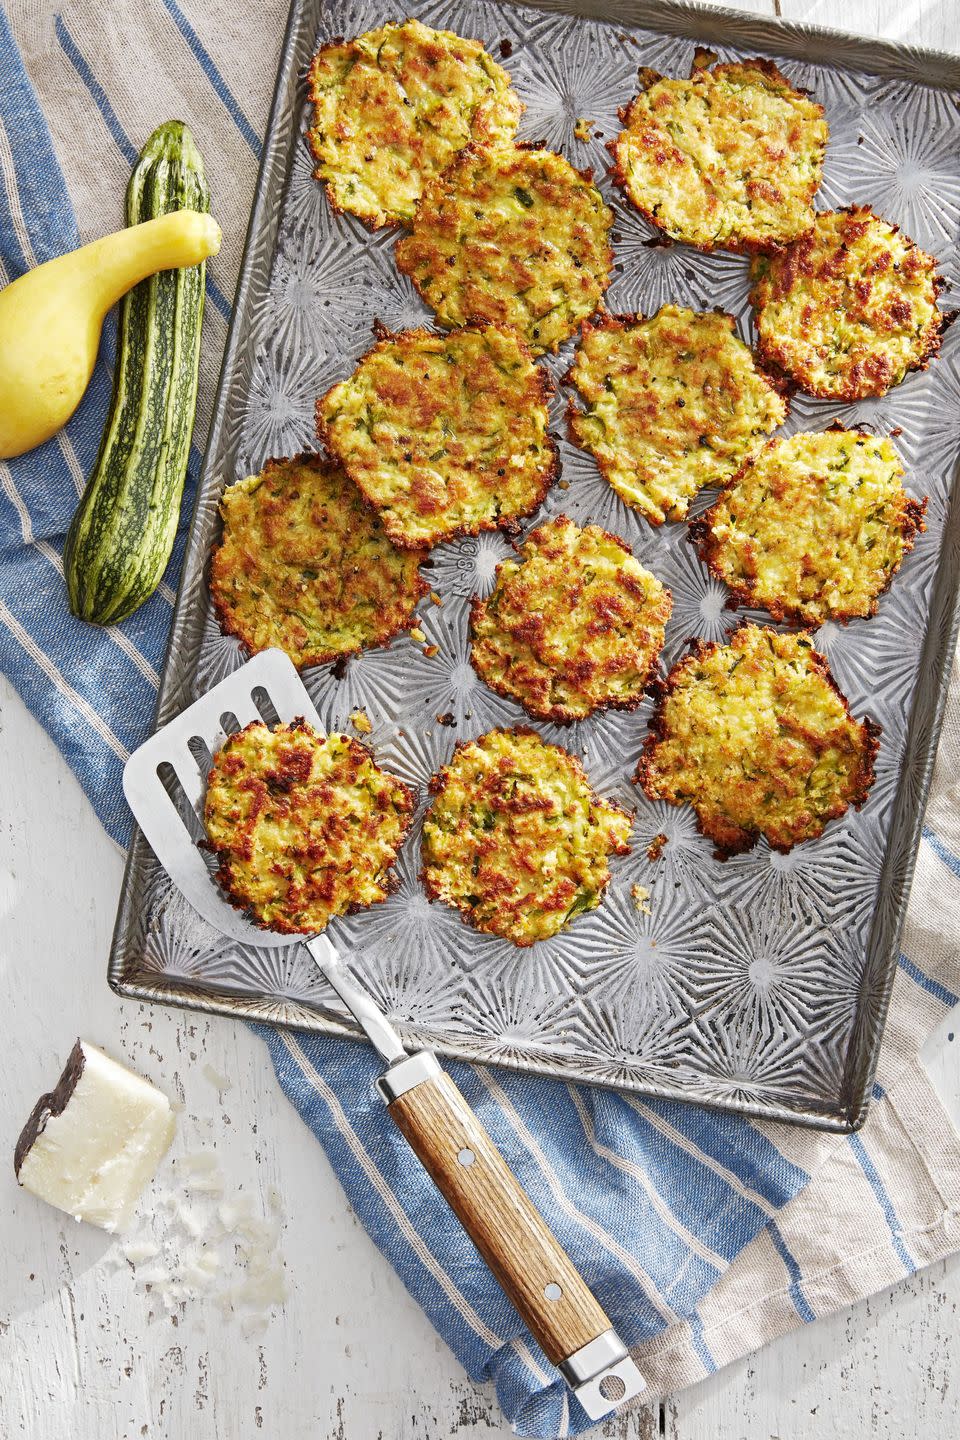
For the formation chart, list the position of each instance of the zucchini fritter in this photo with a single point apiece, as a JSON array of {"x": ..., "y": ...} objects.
[
  {"x": 673, "y": 402},
  {"x": 305, "y": 826},
  {"x": 444, "y": 434},
  {"x": 512, "y": 236},
  {"x": 305, "y": 565},
  {"x": 813, "y": 528},
  {"x": 393, "y": 107},
  {"x": 849, "y": 308},
  {"x": 573, "y": 624},
  {"x": 515, "y": 837},
  {"x": 727, "y": 160},
  {"x": 758, "y": 739}
]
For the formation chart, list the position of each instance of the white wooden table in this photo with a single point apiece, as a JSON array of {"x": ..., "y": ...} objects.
[{"x": 85, "y": 1350}]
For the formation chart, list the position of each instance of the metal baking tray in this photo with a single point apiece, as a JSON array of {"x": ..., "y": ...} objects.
[{"x": 759, "y": 985}]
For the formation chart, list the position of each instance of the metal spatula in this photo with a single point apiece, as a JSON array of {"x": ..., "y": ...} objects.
[{"x": 457, "y": 1152}]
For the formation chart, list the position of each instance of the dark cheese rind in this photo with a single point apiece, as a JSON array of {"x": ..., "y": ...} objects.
[{"x": 53, "y": 1103}]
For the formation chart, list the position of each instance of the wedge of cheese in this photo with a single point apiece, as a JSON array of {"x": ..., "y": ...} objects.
[{"x": 95, "y": 1141}]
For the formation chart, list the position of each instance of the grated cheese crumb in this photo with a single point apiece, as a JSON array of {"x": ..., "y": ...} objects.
[{"x": 641, "y": 898}]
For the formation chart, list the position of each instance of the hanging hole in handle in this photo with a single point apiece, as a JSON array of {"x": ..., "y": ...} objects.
[
  {"x": 612, "y": 1388},
  {"x": 465, "y": 1156},
  {"x": 553, "y": 1291}
]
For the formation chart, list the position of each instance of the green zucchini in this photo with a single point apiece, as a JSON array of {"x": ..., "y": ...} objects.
[{"x": 122, "y": 534}]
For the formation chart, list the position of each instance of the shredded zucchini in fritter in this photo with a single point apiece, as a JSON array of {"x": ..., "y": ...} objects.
[
  {"x": 306, "y": 566},
  {"x": 727, "y": 160},
  {"x": 758, "y": 739},
  {"x": 813, "y": 528},
  {"x": 513, "y": 237},
  {"x": 516, "y": 839},
  {"x": 573, "y": 624},
  {"x": 305, "y": 826},
  {"x": 444, "y": 434},
  {"x": 392, "y": 108},
  {"x": 849, "y": 308},
  {"x": 673, "y": 402}
]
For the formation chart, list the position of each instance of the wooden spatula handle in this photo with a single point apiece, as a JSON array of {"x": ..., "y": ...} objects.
[{"x": 513, "y": 1239}]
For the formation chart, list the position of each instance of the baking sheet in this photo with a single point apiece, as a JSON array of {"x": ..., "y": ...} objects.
[{"x": 760, "y": 984}]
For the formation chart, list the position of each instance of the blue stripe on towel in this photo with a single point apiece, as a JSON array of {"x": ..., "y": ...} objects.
[
  {"x": 120, "y": 136},
  {"x": 700, "y": 1344},
  {"x": 97, "y": 92},
  {"x": 884, "y": 1201},
  {"x": 220, "y": 86},
  {"x": 740, "y": 1148},
  {"x": 43, "y": 192},
  {"x": 703, "y": 1201},
  {"x": 793, "y": 1271},
  {"x": 943, "y": 854},
  {"x": 927, "y": 982}
]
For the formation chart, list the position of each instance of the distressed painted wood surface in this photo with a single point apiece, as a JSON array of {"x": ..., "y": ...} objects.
[{"x": 87, "y": 1351}]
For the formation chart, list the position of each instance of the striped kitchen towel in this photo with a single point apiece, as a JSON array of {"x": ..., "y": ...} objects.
[{"x": 704, "y": 1236}]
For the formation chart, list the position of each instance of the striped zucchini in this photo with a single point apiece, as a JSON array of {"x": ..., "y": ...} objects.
[{"x": 122, "y": 534}]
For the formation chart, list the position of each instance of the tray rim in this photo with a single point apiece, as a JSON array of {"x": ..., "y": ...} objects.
[{"x": 695, "y": 20}]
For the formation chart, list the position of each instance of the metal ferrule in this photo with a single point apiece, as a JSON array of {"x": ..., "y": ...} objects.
[
  {"x": 602, "y": 1375},
  {"x": 407, "y": 1074}
]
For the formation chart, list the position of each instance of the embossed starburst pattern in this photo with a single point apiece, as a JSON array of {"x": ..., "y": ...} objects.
[
  {"x": 737, "y": 983},
  {"x": 649, "y": 272}
]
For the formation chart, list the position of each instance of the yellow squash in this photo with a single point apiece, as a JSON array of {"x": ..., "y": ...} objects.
[{"x": 50, "y": 319}]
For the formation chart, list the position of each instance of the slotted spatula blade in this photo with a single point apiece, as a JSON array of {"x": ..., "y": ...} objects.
[
  {"x": 270, "y": 673},
  {"x": 536, "y": 1274}
]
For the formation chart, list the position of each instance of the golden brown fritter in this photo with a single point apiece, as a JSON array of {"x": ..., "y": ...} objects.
[
  {"x": 673, "y": 402},
  {"x": 727, "y": 160},
  {"x": 756, "y": 736},
  {"x": 305, "y": 564},
  {"x": 849, "y": 308},
  {"x": 813, "y": 527},
  {"x": 574, "y": 624},
  {"x": 305, "y": 826},
  {"x": 512, "y": 236},
  {"x": 393, "y": 107},
  {"x": 444, "y": 434},
  {"x": 516, "y": 839}
]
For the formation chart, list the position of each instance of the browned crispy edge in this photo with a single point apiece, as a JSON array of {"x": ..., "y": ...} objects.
[
  {"x": 724, "y": 846},
  {"x": 777, "y": 382},
  {"x": 702, "y": 61},
  {"x": 562, "y": 714},
  {"x": 53, "y": 1103},
  {"x": 700, "y": 534},
  {"x": 221, "y": 604},
  {"x": 369, "y": 221},
  {"x": 460, "y": 160},
  {"x": 224, "y": 875},
  {"x": 436, "y": 787},
  {"x": 772, "y": 355},
  {"x": 542, "y": 391}
]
